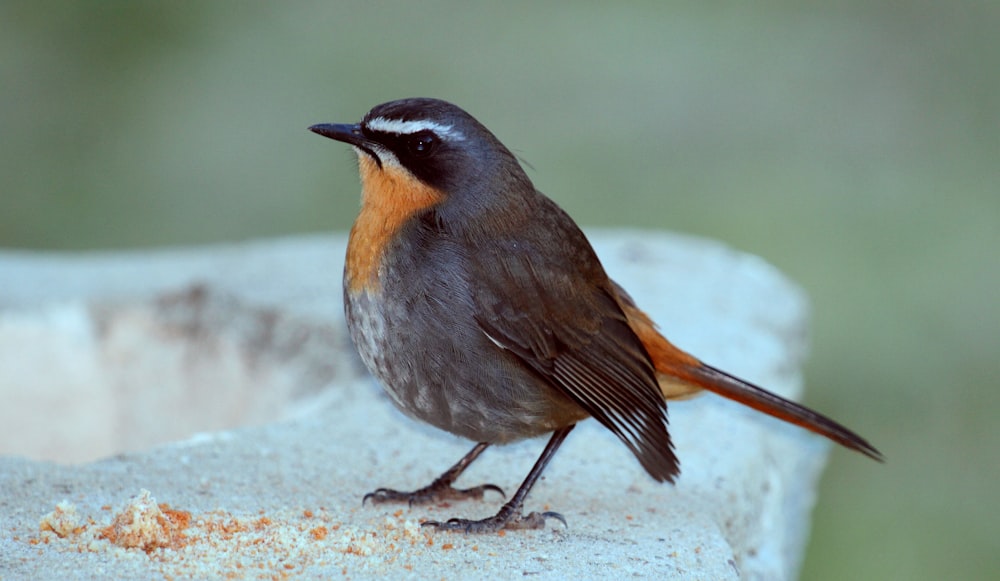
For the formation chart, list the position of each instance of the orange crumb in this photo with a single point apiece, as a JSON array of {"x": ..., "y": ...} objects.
[
  {"x": 226, "y": 529},
  {"x": 147, "y": 526},
  {"x": 475, "y": 547},
  {"x": 106, "y": 507},
  {"x": 307, "y": 513},
  {"x": 179, "y": 518},
  {"x": 289, "y": 566},
  {"x": 629, "y": 517},
  {"x": 501, "y": 533},
  {"x": 447, "y": 546},
  {"x": 398, "y": 513},
  {"x": 262, "y": 523},
  {"x": 319, "y": 533},
  {"x": 63, "y": 521}
]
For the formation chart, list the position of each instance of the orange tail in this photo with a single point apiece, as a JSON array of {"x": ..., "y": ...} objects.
[
  {"x": 734, "y": 388},
  {"x": 682, "y": 375}
]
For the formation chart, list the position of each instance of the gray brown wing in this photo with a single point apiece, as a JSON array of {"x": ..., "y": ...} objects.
[{"x": 566, "y": 325}]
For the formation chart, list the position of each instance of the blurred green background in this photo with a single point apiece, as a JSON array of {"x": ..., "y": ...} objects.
[{"x": 856, "y": 145}]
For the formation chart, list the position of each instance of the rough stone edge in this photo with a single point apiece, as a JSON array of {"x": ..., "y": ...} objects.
[{"x": 722, "y": 326}]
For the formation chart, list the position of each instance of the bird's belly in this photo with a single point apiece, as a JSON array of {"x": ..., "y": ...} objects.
[{"x": 438, "y": 367}]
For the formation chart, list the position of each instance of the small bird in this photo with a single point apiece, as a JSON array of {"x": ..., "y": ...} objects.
[{"x": 481, "y": 307}]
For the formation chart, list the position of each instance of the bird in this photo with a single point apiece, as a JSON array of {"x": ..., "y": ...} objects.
[{"x": 482, "y": 309}]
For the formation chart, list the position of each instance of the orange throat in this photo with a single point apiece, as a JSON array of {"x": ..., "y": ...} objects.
[{"x": 390, "y": 195}]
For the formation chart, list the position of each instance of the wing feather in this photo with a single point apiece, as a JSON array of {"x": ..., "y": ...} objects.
[{"x": 570, "y": 329}]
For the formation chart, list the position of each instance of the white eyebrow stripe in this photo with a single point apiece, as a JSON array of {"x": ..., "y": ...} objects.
[{"x": 400, "y": 127}]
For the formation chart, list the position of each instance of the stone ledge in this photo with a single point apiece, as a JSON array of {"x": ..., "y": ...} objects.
[{"x": 139, "y": 352}]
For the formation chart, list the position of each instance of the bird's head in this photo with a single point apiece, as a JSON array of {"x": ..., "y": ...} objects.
[{"x": 431, "y": 141}]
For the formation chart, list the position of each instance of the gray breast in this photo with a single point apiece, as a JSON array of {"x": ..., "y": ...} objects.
[{"x": 438, "y": 366}]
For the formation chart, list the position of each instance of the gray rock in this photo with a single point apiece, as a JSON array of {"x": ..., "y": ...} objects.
[{"x": 221, "y": 380}]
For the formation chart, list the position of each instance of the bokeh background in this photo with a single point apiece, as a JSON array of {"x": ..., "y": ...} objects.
[{"x": 856, "y": 145}]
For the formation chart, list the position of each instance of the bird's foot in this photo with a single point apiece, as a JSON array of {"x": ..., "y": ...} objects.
[
  {"x": 505, "y": 519},
  {"x": 437, "y": 491}
]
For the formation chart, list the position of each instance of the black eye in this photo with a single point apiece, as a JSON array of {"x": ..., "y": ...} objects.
[{"x": 421, "y": 144}]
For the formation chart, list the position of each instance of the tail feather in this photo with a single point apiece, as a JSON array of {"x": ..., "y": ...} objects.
[
  {"x": 734, "y": 388},
  {"x": 681, "y": 375}
]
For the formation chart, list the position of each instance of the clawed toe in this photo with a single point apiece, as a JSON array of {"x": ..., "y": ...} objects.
[
  {"x": 509, "y": 516},
  {"x": 551, "y": 514},
  {"x": 501, "y": 521},
  {"x": 384, "y": 495},
  {"x": 430, "y": 494}
]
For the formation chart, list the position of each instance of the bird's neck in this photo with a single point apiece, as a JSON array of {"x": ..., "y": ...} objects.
[{"x": 390, "y": 196}]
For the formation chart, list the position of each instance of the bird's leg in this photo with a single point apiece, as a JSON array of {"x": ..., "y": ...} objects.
[
  {"x": 441, "y": 488},
  {"x": 509, "y": 516}
]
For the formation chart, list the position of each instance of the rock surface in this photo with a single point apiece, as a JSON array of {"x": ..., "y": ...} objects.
[{"x": 200, "y": 413}]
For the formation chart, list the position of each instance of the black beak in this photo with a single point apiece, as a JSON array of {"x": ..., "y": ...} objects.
[
  {"x": 349, "y": 134},
  {"x": 345, "y": 132}
]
